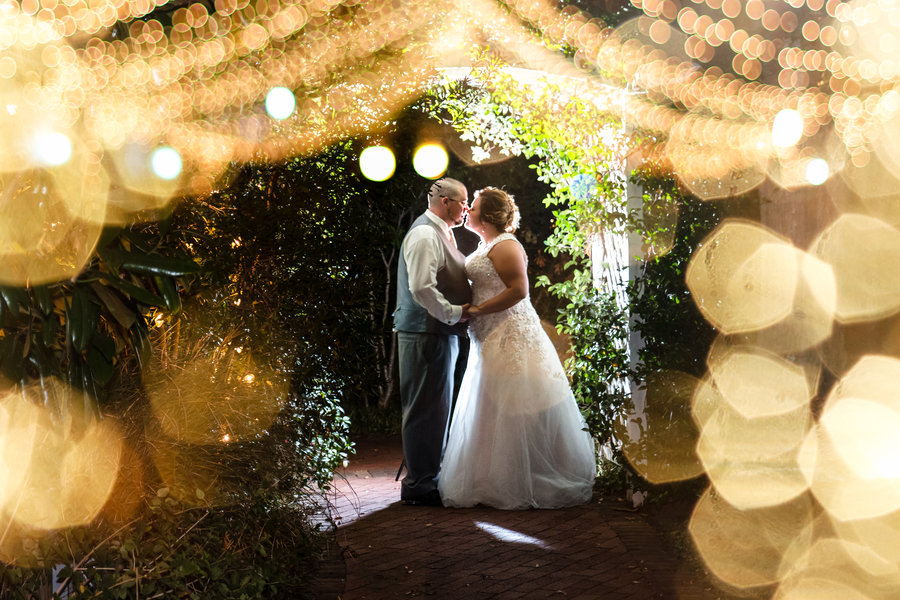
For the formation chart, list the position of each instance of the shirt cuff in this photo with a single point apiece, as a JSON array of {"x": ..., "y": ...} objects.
[{"x": 455, "y": 315}]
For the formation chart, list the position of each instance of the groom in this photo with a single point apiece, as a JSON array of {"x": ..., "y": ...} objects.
[{"x": 432, "y": 307}]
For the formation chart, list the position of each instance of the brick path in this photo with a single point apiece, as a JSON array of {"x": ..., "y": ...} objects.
[{"x": 599, "y": 551}]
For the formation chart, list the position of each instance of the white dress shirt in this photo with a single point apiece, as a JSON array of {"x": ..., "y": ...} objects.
[{"x": 423, "y": 253}]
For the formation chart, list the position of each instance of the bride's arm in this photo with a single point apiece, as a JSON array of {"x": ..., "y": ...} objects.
[{"x": 509, "y": 262}]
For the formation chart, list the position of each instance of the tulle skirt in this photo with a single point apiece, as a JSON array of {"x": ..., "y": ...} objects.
[{"x": 517, "y": 438}]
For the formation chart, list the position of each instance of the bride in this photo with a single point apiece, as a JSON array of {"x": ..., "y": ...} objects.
[{"x": 517, "y": 439}]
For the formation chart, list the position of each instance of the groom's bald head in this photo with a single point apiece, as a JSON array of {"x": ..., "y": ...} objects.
[{"x": 449, "y": 188}]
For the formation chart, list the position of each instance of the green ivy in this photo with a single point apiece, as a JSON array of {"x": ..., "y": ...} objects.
[
  {"x": 675, "y": 335},
  {"x": 574, "y": 142},
  {"x": 494, "y": 112}
]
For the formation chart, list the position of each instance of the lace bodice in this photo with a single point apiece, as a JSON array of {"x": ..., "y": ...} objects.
[{"x": 486, "y": 284}]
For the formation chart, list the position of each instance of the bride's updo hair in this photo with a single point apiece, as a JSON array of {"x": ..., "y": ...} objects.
[{"x": 498, "y": 209}]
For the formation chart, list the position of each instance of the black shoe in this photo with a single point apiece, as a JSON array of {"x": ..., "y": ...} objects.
[{"x": 432, "y": 498}]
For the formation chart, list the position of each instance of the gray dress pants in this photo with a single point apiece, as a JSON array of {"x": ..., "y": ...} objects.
[{"x": 427, "y": 363}]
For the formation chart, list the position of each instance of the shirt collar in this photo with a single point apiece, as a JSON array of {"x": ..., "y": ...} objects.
[{"x": 439, "y": 221}]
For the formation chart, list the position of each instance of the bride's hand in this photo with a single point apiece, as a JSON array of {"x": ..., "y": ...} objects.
[
  {"x": 474, "y": 311},
  {"x": 466, "y": 315}
]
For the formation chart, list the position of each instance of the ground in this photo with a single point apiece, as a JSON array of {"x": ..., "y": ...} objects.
[{"x": 602, "y": 550}]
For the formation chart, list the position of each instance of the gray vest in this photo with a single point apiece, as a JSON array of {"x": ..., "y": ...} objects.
[{"x": 451, "y": 282}]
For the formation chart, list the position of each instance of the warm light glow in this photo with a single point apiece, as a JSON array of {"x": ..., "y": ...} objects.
[
  {"x": 739, "y": 452},
  {"x": 760, "y": 384},
  {"x": 430, "y": 160},
  {"x": 850, "y": 461},
  {"x": 195, "y": 402},
  {"x": 280, "y": 103},
  {"x": 52, "y": 149},
  {"x": 39, "y": 241},
  {"x": 817, "y": 171},
  {"x": 377, "y": 163},
  {"x": 743, "y": 277},
  {"x": 855, "y": 246},
  {"x": 787, "y": 128},
  {"x": 166, "y": 162},
  {"x": 745, "y": 548},
  {"x": 659, "y": 444},
  {"x": 54, "y": 474}
]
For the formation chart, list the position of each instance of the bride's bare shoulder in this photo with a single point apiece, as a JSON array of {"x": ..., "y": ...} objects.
[{"x": 507, "y": 250}]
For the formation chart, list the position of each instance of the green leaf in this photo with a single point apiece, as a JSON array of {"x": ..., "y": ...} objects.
[
  {"x": 74, "y": 373},
  {"x": 12, "y": 364},
  {"x": 101, "y": 368},
  {"x": 141, "y": 342},
  {"x": 109, "y": 233},
  {"x": 121, "y": 313},
  {"x": 49, "y": 329},
  {"x": 149, "y": 264},
  {"x": 166, "y": 286},
  {"x": 89, "y": 390},
  {"x": 83, "y": 317},
  {"x": 16, "y": 299},
  {"x": 105, "y": 344},
  {"x": 42, "y": 359},
  {"x": 42, "y": 295},
  {"x": 134, "y": 291},
  {"x": 113, "y": 257}
]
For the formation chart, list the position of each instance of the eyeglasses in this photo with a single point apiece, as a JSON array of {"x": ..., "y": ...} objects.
[{"x": 463, "y": 202}]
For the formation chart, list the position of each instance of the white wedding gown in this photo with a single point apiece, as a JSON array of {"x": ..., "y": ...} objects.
[{"x": 517, "y": 438}]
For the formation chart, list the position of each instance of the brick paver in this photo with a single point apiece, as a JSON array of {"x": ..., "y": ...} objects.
[{"x": 598, "y": 551}]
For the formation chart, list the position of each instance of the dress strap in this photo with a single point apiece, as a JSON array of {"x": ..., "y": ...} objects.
[{"x": 500, "y": 238}]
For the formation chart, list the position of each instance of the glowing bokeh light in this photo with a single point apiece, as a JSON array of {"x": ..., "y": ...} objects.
[
  {"x": 810, "y": 321},
  {"x": 202, "y": 410},
  {"x": 787, "y": 128},
  {"x": 849, "y": 459},
  {"x": 377, "y": 163},
  {"x": 42, "y": 240},
  {"x": 855, "y": 247},
  {"x": 54, "y": 474},
  {"x": 280, "y": 103},
  {"x": 817, "y": 171},
  {"x": 831, "y": 569},
  {"x": 430, "y": 160},
  {"x": 760, "y": 384},
  {"x": 880, "y": 535},
  {"x": 745, "y": 548},
  {"x": 166, "y": 163},
  {"x": 52, "y": 148},
  {"x": 659, "y": 444},
  {"x": 739, "y": 452},
  {"x": 744, "y": 277}
]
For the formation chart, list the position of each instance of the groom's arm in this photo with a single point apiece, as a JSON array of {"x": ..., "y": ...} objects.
[{"x": 422, "y": 254}]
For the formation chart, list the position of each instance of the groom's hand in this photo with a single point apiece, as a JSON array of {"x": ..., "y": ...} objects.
[{"x": 465, "y": 312}]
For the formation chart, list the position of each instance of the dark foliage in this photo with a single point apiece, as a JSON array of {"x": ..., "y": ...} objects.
[{"x": 675, "y": 335}]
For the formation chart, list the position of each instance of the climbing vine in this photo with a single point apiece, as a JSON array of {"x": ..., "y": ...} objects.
[{"x": 576, "y": 144}]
